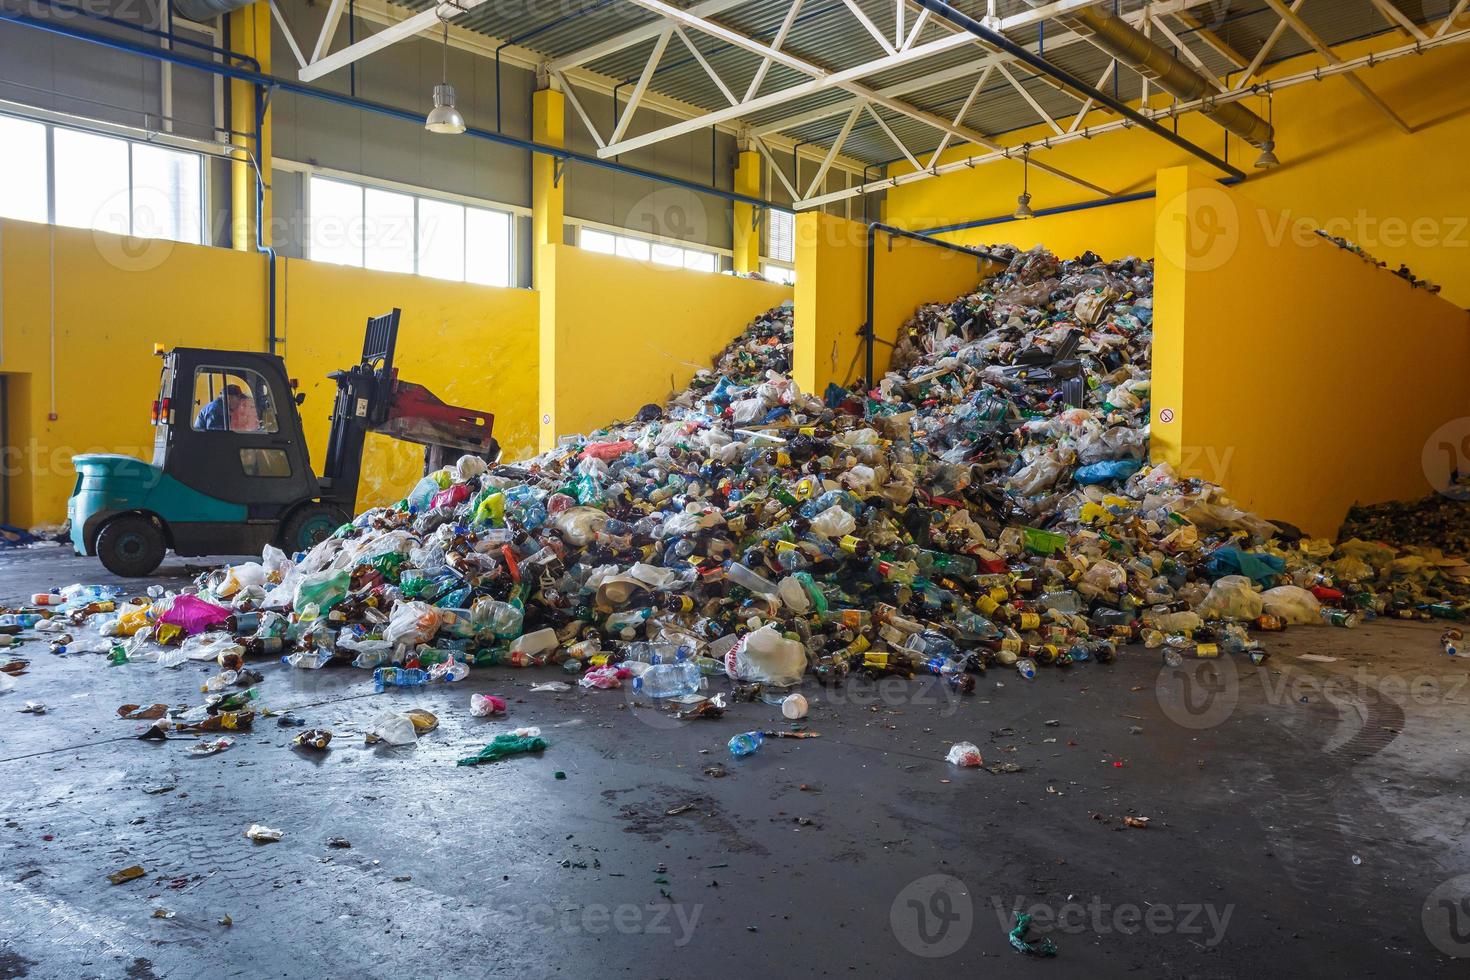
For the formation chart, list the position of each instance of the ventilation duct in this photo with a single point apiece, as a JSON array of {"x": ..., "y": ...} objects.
[
  {"x": 204, "y": 11},
  {"x": 1120, "y": 39}
]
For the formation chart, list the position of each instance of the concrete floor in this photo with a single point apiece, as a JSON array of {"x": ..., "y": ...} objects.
[{"x": 1304, "y": 816}]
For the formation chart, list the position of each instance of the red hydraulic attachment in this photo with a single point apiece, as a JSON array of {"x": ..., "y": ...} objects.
[{"x": 415, "y": 414}]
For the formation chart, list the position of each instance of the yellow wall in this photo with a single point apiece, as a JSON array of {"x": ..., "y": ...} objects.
[
  {"x": 623, "y": 333},
  {"x": 470, "y": 345},
  {"x": 115, "y": 297},
  {"x": 1299, "y": 377},
  {"x": 1345, "y": 167},
  {"x": 831, "y": 295}
]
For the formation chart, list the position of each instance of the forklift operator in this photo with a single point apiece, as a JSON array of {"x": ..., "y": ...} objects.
[{"x": 231, "y": 411}]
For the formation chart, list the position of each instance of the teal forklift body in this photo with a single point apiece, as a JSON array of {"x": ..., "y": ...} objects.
[{"x": 109, "y": 484}]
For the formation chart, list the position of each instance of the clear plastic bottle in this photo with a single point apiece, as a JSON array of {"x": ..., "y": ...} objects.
[
  {"x": 308, "y": 659},
  {"x": 385, "y": 677},
  {"x": 1026, "y": 667},
  {"x": 669, "y": 680}
]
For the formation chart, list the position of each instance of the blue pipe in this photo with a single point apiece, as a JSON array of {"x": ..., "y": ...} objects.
[{"x": 306, "y": 91}]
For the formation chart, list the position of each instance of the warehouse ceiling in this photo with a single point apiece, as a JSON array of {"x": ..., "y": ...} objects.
[{"x": 885, "y": 80}]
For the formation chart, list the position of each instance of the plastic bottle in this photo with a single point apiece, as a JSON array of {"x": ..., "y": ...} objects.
[
  {"x": 669, "y": 680},
  {"x": 749, "y": 580},
  {"x": 746, "y": 743},
  {"x": 384, "y": 677},
  {"x": 1026, "y": 667},
  {"x": 308, "y": 659},
  {"x": 654, "y": 653}
]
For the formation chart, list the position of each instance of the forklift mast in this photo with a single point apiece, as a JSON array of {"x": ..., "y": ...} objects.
[
  {"x": 370, "y": 398},
  {"x": 364, "y": 392}
]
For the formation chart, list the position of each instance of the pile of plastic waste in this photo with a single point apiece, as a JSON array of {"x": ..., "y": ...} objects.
[
  {"x": 1403, "y": 271},
  {"x": 987, "y": 506}
]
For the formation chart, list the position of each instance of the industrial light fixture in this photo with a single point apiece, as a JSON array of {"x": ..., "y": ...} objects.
[
  {"x": 1023, "y": 203},
  {"x": 444, "y": 117},
  {"x": 1267, "y": 160}
]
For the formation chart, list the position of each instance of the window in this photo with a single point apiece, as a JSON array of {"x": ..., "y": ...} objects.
[
  {"x": 647, "y": 250},
  {"x": 779, "y": 273},
  {"x": 265, "y": 462},
  {"x": 487, "y": 252},
  {"x": 598, "y": 241},
  {"x": 392, "y": 231},
  {"x": 167, "y": 194},
  {"x": 232, "y": 400},
  {"x": 781, "y": 235},
  {"x": 388, "y": 231},
  {"x": 91, "y": 181},
  {"x": 23, "y": 162},
  {"x": 106, "y": 183}
]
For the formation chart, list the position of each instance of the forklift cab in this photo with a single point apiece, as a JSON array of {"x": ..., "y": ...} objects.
[{"x": 226, "y": 425}]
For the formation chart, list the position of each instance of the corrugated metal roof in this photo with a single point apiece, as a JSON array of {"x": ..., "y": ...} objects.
[{"x": 826, "y": 34}]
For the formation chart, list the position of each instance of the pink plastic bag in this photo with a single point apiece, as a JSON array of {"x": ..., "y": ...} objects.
[
  {"x": 452, "y": 497},
  {"x": 605, "y": 678},
  {"x": 193, "y": 615}
]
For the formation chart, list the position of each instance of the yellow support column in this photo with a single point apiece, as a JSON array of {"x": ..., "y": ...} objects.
[
  {"x": 548, "y": 219},
  {"x": 250, "y": 34},
  {"x": 747, "y": 238}
]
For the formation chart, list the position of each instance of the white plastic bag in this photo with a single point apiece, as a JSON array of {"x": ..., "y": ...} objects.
[
  {"x": 1292, "y": 603},
  {"x": 412, "y": 623},
  {"x": 1231, "y": 597},
  {"x": 767, "y": 657}
]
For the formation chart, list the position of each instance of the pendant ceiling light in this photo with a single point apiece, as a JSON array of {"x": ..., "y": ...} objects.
[
  {"x": 444, "y": 117},
  {"x": 1023, "y": 203}
]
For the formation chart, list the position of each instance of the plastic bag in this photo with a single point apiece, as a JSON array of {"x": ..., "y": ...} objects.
[
  {"x": 323, "y": 590},
  {"x": 1231, "y": 597},
  {"x": 1293, "y": 604},
  {"x": 767, "y": 657},
  {"x": 193, "y": 615},
  {"x": 412, "y": 623},
  {"x": 965, "y": 754}
]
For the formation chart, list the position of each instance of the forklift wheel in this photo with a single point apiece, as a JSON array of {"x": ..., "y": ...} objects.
[
  {"x": 310, "y": 525},
  {"x": 131, "y": 546}
]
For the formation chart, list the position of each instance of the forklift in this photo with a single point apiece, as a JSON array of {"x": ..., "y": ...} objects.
[{"x": 231, "y": 472}]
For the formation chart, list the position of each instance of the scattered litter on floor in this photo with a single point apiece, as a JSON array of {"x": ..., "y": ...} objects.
[
  {"x": 211, "y": 746},
  {"x": 504, "y": 745},
  {"x": 965, "y": 754},
  {"x": 262, "y": 834},
  {"x": 126, "y": 874},
  {"x": 1019, "y": 942},
  {"x": 33, "y": 708}
]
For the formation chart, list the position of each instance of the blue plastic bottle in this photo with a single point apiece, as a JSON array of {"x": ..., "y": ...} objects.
[{"x": 746, "y": 743}]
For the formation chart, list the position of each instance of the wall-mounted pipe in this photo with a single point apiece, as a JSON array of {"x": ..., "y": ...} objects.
[
  {"x": 870, "y": 240},
  {"x": 1114, "y": 36},
  {"x": 998, "y": 40}
]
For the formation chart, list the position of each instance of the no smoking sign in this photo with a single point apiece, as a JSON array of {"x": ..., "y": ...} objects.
[{"x": 1166, "y": 415}]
